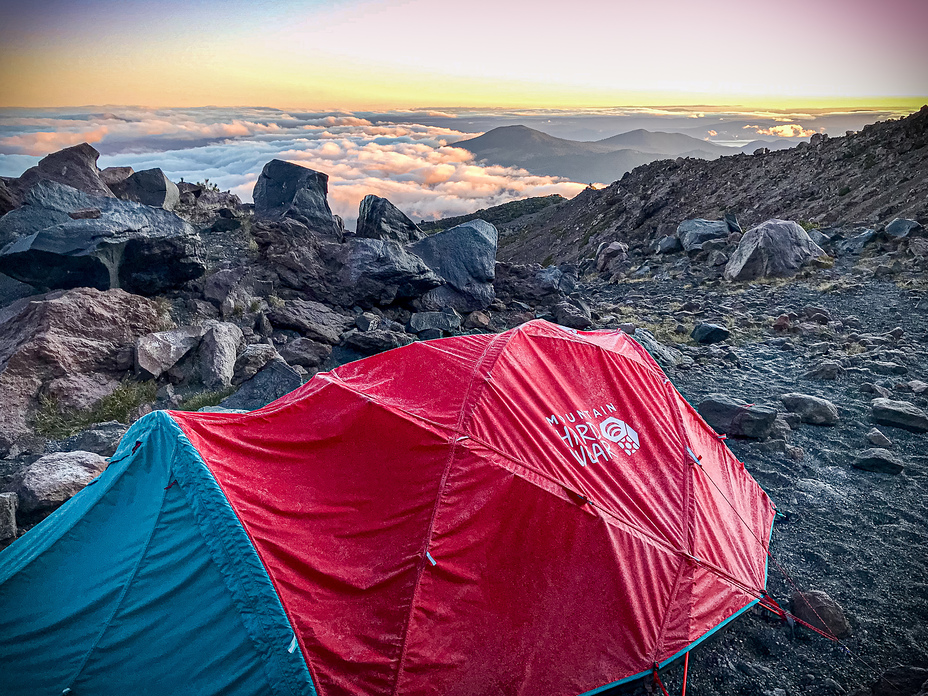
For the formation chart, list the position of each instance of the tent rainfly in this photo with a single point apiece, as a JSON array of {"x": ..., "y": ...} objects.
[{"x": 533, "y": 512}]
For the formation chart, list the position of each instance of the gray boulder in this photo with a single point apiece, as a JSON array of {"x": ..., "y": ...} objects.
[
  {"x": 305, "y": 352},
  {"x": 465, "y": 258},
  {"x": 50, "y": 480},
  {"x": 773, "y": 249},
  {"x": 270, "y": 383},
  {"x": 73, "y": 166},
  {"x": 376, "y": 341},
  {"x": 289, "y": 190},
  {"x": 158, "y": 352},
  {"x": 441, "y": 321},
  {"x": 811, "y": 409},
  {"x": 101, "y": 438},
  {"x": 312, "y": 319},
  {"x": 149, "y": 187},
  {"x": 376, "y": 271},
  {"x": 378, "y": 218},
  {"x": 573, "y": 315},
  {"x": 131, "y": 246},
  {"x": 817, "y": 609},
  {"x": 879, "y": 460},
  {"x": 901, "y": 228},
  {"x": 737, "y": 418},
  {"x": 855, "y": 243},
  {"x": 710, "y": 333},
  {"x": 252, "y": 359},
  {"x": 694, "y": 233},
  {"x": 114, "y": 175},
  {"x": 899, "y": 414},
  {"x": 667, "y": 245},
  {"x": 218, "y": 353}
]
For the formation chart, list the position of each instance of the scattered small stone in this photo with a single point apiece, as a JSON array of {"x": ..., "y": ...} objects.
[
  {"x": 51, "y": 480},
  {"x": 879, "y": 460},
  {"x": 737, "y": 418},
  {"x": 875, "y": 437},
  {"x": 440, "y": 321},
  {"x": 825, "y": 370},
  {"x": 871, "y": 388},
  {"x": 710, "y": 333},
  {"x": 811, "y": 409}
]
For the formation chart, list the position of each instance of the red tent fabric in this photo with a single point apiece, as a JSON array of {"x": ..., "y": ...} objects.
[{"x": 519, "y": 513}]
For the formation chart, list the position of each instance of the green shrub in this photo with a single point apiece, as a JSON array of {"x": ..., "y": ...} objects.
[{"x": 53, "y": 421}]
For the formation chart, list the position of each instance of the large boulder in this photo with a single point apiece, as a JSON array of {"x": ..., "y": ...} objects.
[
  {"x": 74, "y": 166},
  {"x": 149, "y": 187},
  {"x": 62, "y": 334},
  {"x": 286, "y": 190},
  {"x": 158, "y": 352},
  {"x": 312, "y": 319},
  {"x": 51, "y": 480},
  {"x": 736, "y": 417},
  {"x": 271, "y": 382},
  {"x": 305, "y": 352},
  {"x": 63, "y": 238},
  {"x": 899, "y": 414},
  {"x": 817, "y": 609},
  {"x": 465, "y": 258},
  {"x": 811, "y": 409},
  {"x": 773, "y": 249},
  {"x": 879, "y": 460},
  {"x": 694, "y": 233},
  {"x": 378, "y": 218},
  {"x": 376, "y": 341},
  {"x": 533, "y": 283},
  {"x": 218, "y": 353}
]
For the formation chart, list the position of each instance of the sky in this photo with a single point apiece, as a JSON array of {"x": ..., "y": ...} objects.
[{"x": 389, "y": 54}]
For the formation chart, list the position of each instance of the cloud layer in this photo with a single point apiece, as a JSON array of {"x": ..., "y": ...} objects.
[{"x": 415, "y": 166}]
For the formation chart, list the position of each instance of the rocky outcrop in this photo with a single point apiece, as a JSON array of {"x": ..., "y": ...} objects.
[
  {"x": 378, "y": 218},
  {"x": 773, "y": 249},
  {"x": 128, "y": 245},
  {"x": 694, "y": 233},
  {"x": 149, "y": 187},
  {"x": 114, "y": 175},
  {"x": 533, "y": 283},
  {"x": 59, "y": 335},
  {"x": 312, "y": 319},
  {"x": 51, "y": 480},
  {"x": 465, "y": 258},
  {"x": 73, "y": 166},
  {"x": 879, "y": 460},
  {"x": 286, "y": 190}
]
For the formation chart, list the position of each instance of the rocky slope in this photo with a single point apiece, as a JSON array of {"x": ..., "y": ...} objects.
[
  {"x": 864, "y": 178},
  {"x": 808, "y": 350}
]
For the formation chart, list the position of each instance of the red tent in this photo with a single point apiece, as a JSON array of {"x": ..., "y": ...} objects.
[{"x": 534, "y": 512}]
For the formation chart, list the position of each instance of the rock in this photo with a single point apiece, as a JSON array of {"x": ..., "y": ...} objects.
[
  {"x": 856, "y": 243},
  {"x": 811, "y": 409},
  {"x": 158, "y": 352},
  {"x": 114, "y": 175},
  {"x": 51, "y": 480},
  {"x": 8, "y": 504},
  {"x": 131, "y": 246},
  {"x": 918, "y": 387},
  {"x": 901, "y": 680},
  {"x": 442, "y": 321},
  {"x": 313, "y": 319},
  {"x": 900, "y": 228},
  {"x": 665, "y": 356},
  {"x": 773, "y": 249},
  {"x": 101, "y": 438},
  {"x": 572, "y": 315},
  {"x": 818, "y": 609},
  {"x": 477, "y": 320},
  {"x": 899, "y": 414},
  {"x": 612, "y": 257},
  {"x": 465, "y": 258},
  {"x": 825, "y": 370},
  {"x": 367, "y": 321},
  {"x": 378, "y": 218},
  {"x": 710, "y": 333},
  {"x": 252, "y": 359},
  {"x": 378, "y": 341},
  {"x": 875, "y": 437},
  {"x": 668, "y": 245},
  {"x": 149, "y": 187},
  {"x": 218, "y": 353},
  {"x": 289, "y": 190},
  {"x": 81, "y": 391},
  {"x": 75, "y": 167},
  {"x": 737, "y": 418},
  {"x": 271, "y": 382},
  {"x": 64, "y": 333},
  {"x": 305, "y": 352},
  {"x": 694, "y": 233},
  {"x": 879, "y": 460},
  {"x": 382, "y": 272}
]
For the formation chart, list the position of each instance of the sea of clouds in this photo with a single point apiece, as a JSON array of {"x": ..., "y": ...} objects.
[
  {"x": 414, "y": 165},
  {"x": 408, "y": 157}
]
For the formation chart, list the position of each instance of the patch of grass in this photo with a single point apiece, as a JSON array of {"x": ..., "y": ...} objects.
[
  {"x": 809, "y": 225},
  {"x": 275, "y": 301},
  {"x": 57, "y": 423},
  {"x": 203, "y": 399}
]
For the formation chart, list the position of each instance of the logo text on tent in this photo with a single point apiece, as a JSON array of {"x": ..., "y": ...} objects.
[{"x": 590, "y": 434}]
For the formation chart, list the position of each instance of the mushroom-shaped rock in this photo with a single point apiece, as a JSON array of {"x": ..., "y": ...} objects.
[
  {"x": 773, "y": 249},
  {"x": 378, "y": 218}
]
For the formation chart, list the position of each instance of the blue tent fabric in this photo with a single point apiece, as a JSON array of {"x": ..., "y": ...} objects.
[{"x": 145, "y": 583}]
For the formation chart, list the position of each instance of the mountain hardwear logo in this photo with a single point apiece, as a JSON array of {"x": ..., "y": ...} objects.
[{"x": 590, "y": 436}]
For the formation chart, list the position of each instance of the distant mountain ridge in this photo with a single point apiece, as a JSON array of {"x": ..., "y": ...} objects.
[{"x": 601, "y": 161}]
